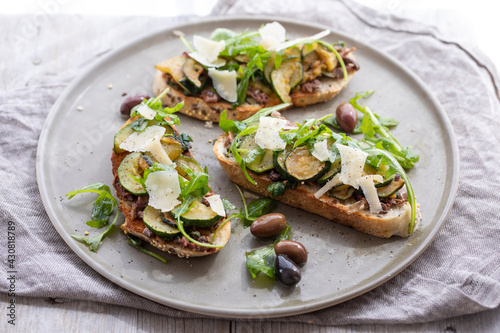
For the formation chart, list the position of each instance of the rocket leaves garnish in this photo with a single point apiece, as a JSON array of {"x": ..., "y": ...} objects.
[
  {"x": 103, "y": 207},
  {"x": 263, "y": 260}
]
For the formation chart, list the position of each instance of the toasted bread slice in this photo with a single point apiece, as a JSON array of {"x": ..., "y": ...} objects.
[
  {"x": 197, "y": 107},
  {"x": 349, "y": 212},
  {"x": 134, "y": 225}
]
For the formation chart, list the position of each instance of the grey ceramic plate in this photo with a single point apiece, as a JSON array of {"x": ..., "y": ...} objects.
[{"x": 75, "y": 148}]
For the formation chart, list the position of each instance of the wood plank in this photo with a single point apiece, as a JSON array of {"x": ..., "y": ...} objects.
[{"x": 85, "y": 316}]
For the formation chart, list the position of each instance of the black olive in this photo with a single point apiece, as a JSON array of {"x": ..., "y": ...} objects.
[
  {"x": 347, "y": 117},
  {"x": 286, "y": 271},
  {"x": 130, "y": 101}
]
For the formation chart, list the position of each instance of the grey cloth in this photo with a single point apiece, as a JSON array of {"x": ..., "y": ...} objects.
[{"x": 458, "y": 274}]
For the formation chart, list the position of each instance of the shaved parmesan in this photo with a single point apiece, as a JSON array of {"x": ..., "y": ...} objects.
[
  {"x": 272, "y": 35},
  {"x": 267, "y": 135},
  {"x": 224, "y": 84},
  {"x": 159, "y": 153},
  {"x": 205, "y": 62},
  {"x": 329, "y": 185},
  {"x": 138, "y": 141},
  {"x": 207, "y": 51},
  {"x": 163, "y": 188},
  {"x": 353, "y": 162},
  {"x": 209, "y": 48},
  {"x": 285, "y": 45},
  {"x": 216, "y": 204},
  {"x": 370, "y": 192},
  {"x": 146, "y": 112},
  {"x": 321, "y": 151}
]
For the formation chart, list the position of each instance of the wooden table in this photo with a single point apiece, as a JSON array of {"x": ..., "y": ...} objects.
[{"x": 55, "y": 315}]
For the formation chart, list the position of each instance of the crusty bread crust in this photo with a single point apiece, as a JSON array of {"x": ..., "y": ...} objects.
[
  {"x": 350, "y": 213},
  {"x": 196, "y": 107},
  {"x": 136, "y": 226}
]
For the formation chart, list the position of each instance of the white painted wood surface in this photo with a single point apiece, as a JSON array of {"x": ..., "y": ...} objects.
[{"x": 48, "y": 315}]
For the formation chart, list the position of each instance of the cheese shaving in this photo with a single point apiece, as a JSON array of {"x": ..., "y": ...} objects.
[
  {"x": 267, "y": 135},
  {"x": 353, "y": 162},
  {"x": 368, "y": 186},
  {"x": 216, "y": 204},
  {"x": 146, "y": 112},
  {"x": 329, "y": 185},
  {"x": 321, "y": 151},
  {"x": 210, "y": 49},
  {"x": 163, "y": 188},
  {"x": 158, "y": 152},
  {"x": 225, "y": 84},
  {"x": 285, "y": 45},
  {"x": 272, "y": 35},
  {"x": 137, "y": 141}
]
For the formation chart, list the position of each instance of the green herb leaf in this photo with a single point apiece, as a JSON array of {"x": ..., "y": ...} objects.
[
  {"x": 263, "y": 260},
  {"x": 101, "y": 211},
  {"x": 184, "y": 140},
  {"x": 137, "y": 243},
  {"x": 277, "y": 189},
  {"x": 222, "y": 34},
  {"x": 140, "y": 124}
]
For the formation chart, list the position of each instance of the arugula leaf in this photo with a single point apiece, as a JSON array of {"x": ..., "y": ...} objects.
[
  {"x": 255, "y": 209},
  {"x": 101, "y": 211},
  {"x": 184, "y": 140},
  {"x": 263, "y": 260},
  {"x": 372, "y": 125},
  {"x": 228, "y": 205},
  {"x": 395, "y": 167},
  {"x": 222, "y": 34},
  {"x": 137, "y": 243},
  {"x": 277, "y": 189},
  {"x": 140, "y": 124},
  {"x": 332, "y": 121}
]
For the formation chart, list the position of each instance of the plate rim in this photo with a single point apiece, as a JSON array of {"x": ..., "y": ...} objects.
[{"x": 85, "y": 254}]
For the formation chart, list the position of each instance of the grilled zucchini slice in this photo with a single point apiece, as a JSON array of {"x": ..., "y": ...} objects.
[
  {"x": 152, "y": 218},
  {"x": 130, "y": 167},
  {"x": 198, "y": 215},
  {"x": 262, "y": 163},
  {"x": 300, "y": 165}
]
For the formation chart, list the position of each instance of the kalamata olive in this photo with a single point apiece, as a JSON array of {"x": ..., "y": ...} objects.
[
  {"x": 294, "y": 250},
  {"x": 268, "y": 225},
  {"x": 286, "y": 271},
  {"x": 347, "y": 117},
  {"x": 130, "y": 101}
]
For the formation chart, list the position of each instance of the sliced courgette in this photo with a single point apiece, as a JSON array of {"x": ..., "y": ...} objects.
[
  {"x": 308, "y": 48},
  {"x": 173, "y": 66},
  {"x": 392, "y": 188},
  {"x": 342, "y": 192},
  {"x": 300, "y": 165},
  {"x": 198, "y": 215},
  {"x": 172, "y": 147},
  {"x": 130, "y": 167},
  {"x": 297, "y": 76},
  {"x": 335, "y": 168},
  {"x": 183, "y": 163},
  {"x": 268, "y": 68},
  {"x": 168, "y": 219},
  {"x": 281, "y": 77},
  {"x": 152, "y": 219},
  {"x": 262, "y": 163},
  {"x": 279, "y": 158},
  {"x": 193, "y": 72}
]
